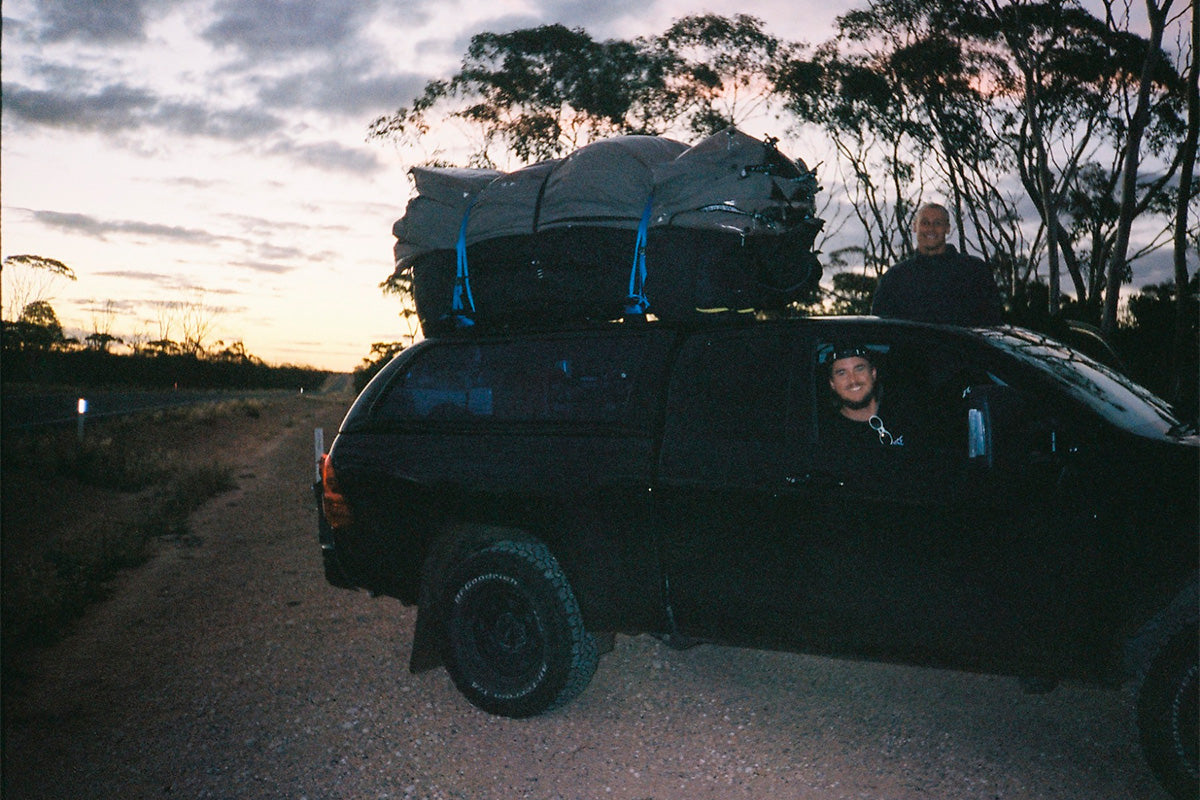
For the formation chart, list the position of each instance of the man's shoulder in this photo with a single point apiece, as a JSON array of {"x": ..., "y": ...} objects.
[
  {"x": 902, "y": 267},
  {"x": 975, "y": 267},
  {"x": 967, "y": 258},
  {"x": 906, "y": 263}
]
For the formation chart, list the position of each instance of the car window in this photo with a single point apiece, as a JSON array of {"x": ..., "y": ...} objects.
[
  {"x": 736, "y": 386},
  {"x": 1108, "y": 393},
  {"x": 552, "y": 379}
]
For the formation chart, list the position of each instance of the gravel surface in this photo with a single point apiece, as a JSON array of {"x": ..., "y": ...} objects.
[{"x": 227, "y": 668}]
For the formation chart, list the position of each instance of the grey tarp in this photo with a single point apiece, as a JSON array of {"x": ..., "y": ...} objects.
[
  {"x": 433, "y": 216},
  {"x": 551, "y": 217},
  {"x": 731, "y": 181}
]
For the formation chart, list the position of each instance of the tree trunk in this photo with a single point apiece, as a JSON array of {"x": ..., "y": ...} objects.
[
  {"x": 1157, "y": 17},
  {"x": 1181, "y": 342}
]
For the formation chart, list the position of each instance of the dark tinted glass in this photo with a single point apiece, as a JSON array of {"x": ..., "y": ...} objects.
[
  {"x": 735, "y": 385},
  {"x": 1113, "y": 396},
  {"x": 552, "y": 379}
]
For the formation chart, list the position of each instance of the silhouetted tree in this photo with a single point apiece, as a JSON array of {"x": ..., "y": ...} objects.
[
  {"x": 381, "y": 354},
  {"x": 102, "y": 342},
  {"x": 37, "y": 329},
  {"x": 1183, "y": 347},
  {"x": 539, "y": 93},
  {"x": 955, "y": 98},
  {"x": 28, "y": 279}
]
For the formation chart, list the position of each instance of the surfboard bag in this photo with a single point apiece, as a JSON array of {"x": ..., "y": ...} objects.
[{"x": 626, "y": 225}]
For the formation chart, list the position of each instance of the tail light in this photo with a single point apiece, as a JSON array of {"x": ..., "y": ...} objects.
[{"x": 333, "y": 502}]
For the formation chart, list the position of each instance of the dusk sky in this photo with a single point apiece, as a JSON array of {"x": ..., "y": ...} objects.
[{"x": 214, "y": 152}]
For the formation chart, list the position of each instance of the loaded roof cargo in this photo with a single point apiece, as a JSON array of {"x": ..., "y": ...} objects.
[{"x": 625, "y": 224}]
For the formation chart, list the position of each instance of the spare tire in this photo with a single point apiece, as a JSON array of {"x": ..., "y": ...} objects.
[{"x": 515, "y": 643}]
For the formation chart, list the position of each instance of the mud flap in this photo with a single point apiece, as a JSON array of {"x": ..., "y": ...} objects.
[{"x": 427, "y": 640}]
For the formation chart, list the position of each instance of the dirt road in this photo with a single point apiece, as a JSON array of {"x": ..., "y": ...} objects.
[{"x": 227, "y": 668}]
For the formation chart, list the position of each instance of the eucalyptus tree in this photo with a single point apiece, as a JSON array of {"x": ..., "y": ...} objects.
[
  {"x": 993, "y": 104},
  {"x": 539, "y": 93},
  {"x": 29, "y": 279},
  {"x": 1184, "y": 346},
  {"x": 722, "y": 69},
  {"x": 1067, "y": 86},
  {"x": 36, "y": 329},
  {"x": 899, "y": 96},
  {"x": 1132, "y": 196}
]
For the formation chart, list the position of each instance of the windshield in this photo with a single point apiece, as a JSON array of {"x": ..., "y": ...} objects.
[{"x": 1112, "y": 395}]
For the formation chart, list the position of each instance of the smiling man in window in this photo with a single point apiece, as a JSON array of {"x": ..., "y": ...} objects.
[{"x": 854, "y": 383}]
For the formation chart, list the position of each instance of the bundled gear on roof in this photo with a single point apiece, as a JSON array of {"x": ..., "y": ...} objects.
[{"x": 625, "y": 225}]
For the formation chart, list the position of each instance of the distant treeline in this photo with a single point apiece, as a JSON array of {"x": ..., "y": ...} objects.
[{"x": 151, "y": 370}]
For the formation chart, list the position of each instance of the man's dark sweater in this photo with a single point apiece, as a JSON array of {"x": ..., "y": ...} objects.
[{"x": 949, "y": 288}]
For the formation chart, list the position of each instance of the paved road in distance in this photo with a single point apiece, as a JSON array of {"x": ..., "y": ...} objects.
[{"x": 22, "y": 411}]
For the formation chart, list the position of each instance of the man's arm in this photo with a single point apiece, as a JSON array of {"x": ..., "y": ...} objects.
[
  {"x": 991, "y": 308},
  {"x": 883, "y": 303}
]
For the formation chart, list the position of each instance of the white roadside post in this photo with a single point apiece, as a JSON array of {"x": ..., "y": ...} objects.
[{"x": 81, "y": 411}]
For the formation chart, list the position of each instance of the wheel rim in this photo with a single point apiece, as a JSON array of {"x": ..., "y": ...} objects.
[{"x": 501, "y": 639}]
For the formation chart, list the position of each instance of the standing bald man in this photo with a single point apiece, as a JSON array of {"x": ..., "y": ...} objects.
[{"x": 938, "y": 284}]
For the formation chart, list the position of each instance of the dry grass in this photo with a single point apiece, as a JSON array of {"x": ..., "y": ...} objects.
[{"x": 75, "y": 513}]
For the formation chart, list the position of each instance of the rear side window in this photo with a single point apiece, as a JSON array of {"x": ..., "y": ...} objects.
[
  {"x": 554, "y": 379},
  {"x": 739, "y": 386}
]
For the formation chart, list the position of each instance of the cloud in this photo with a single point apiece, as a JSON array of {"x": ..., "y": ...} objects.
[
  {"x": 105, "y": 21},
  {"x": 112, "y": 108},
  {"x": 261, "y": 266},
  {"x": 196, "y": 292},
  {"x": 120, "y": 107},
  {"x": 196, "y": 120},
  {"x": 91, "y": 226},
  {"x": 106, "y": 307},
  {"x": 274, "y": 28},
  {"x": 134, "y": 275},
  {"x": 272, "y": 252},
  {"x": 328, "y": 155},
  {"x": 596, "y": 18},
  {"x": 342, "y": 89},
  {"x": 1154, "y": 268}
]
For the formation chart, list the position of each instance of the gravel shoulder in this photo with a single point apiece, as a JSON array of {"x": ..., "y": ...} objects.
[{"x": 227, "y": 668}]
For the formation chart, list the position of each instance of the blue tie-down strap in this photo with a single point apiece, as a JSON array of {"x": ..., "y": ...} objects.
[
  {"x": 462, "y": 279},
  {"x": 637, "y": 302}
]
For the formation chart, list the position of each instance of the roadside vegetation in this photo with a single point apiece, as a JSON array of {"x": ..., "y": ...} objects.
[
  {"x": 63, "y": 365},
  {"x": 181, "y": 353},
  {"x": 77, "y": 512}
]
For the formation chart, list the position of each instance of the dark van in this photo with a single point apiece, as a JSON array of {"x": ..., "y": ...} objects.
[{"x": 1020, "y": 508}]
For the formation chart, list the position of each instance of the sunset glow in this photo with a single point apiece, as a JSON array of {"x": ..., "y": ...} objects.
[{"x": 214, "y": 153}]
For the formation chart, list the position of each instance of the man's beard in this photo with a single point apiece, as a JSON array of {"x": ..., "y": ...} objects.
[{"x": 859, "y": 405}]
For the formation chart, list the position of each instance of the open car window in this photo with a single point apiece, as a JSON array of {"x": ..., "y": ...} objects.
[{"x": 920, "y": 387}]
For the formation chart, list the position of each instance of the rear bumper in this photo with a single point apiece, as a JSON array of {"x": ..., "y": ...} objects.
[{"x": 335, "y": 573}]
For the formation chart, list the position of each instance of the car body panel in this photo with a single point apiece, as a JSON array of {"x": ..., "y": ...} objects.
[{"x": 691, "y": 488}]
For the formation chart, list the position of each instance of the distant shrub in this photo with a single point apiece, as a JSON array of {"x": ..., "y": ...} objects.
[{"x": 91, "y": 368}]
